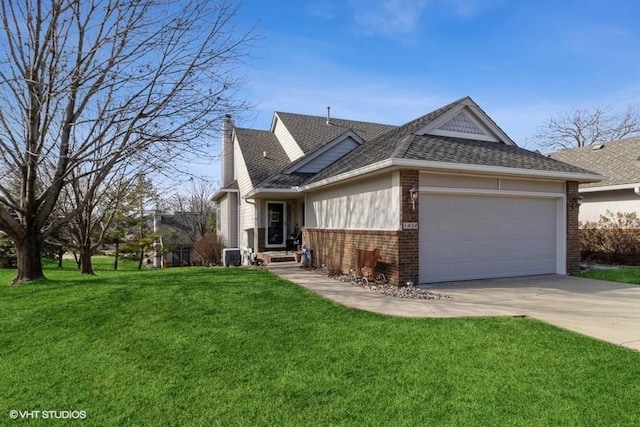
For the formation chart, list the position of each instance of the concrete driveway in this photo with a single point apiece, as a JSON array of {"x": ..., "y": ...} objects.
[{"x": 608, "y": 311}]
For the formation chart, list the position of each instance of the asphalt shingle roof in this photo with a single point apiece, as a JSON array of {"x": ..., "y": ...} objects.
[
  {"x": 618, "y": 160},
  {"x": 253, "y": 144},
  {"x": 179, "y": 228},
  {"x": 472, "y": 152},
  {"x": 312, "y": 132},
  {"x": 231, "y": 186},
  {"x": 381, "y": 142},
  {"x": 390, "y": 144}
]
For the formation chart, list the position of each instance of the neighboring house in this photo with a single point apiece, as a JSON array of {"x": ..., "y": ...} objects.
[
  {"x": 619, "y": 162},
  {"x": 447, "y": 196},
  {"x": 176, "y": 237}
]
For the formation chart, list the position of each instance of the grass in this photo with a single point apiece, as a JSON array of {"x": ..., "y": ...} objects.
[
  {"x": 243, "y": 347},
  {"x": 622, "y": 274}
]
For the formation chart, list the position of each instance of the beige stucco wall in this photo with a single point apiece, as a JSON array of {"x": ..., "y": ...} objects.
[
  {"x": 368, "y": 204},
  {"x": 597, "y": 203}
]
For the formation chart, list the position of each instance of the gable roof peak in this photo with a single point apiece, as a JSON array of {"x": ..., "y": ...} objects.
[{"x": 465, "y": 119}]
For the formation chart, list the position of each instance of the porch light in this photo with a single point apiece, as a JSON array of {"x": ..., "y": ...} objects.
[
  {"x": 578, "y": 200},
  {"x": 413, "y": 196}
]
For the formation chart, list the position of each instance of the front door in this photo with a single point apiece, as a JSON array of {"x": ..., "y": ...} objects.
[{"x": 275, "y": 224}]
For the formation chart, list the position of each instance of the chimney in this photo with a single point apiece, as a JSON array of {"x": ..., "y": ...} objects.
[{"x": 227, "y": 150}]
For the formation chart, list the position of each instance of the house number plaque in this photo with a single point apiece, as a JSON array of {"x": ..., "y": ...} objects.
[{"x": 409, "y": 225}]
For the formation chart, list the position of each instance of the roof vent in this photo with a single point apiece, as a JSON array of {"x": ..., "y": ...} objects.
[{"x": 597, "y": 147}]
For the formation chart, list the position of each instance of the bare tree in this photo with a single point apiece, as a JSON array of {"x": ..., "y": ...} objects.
[
  {"x": 195, "y": 211},
  {"x": 89, "y": 226},
  {"x": 580, "y": 128},
  {"x": 87, "y": 87}
]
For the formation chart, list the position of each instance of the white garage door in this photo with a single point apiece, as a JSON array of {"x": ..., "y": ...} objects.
[{"x": 470, "y": 237}]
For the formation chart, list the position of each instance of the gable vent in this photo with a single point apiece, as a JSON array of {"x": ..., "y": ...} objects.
[{"x": 462, "y": 124}]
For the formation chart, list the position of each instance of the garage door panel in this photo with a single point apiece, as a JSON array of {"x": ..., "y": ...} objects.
[
  {"x": 468, "y": 237},
  {"x": 492, "y": 227},
  {"x": 491, "y": 269},
  {"x": 491, "y": 232},
  {"x": 467, "y": 271},
  {"x": 451, "y": 252}
]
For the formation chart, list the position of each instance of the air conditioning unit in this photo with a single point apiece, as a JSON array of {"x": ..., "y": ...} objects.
[{"x": 231, "y": 256}]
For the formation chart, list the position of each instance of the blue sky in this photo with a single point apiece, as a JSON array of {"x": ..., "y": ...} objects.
[{"x": 391, "y": 61}]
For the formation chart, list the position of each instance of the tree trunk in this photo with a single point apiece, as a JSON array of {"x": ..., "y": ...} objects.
[
  {"x": 86, "y": 266},
  {"x": 29, "y": 255},
  {"x": 141, "y": 258},
  {"x": 60, "y": 255},
  {"x": 115, "y": 262}
]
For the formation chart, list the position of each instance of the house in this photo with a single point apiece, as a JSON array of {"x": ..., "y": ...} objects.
[
  {"x": 619, "y": 162},
  {"x": 447, "y": 196},
  {"x": 175, "y": 236}
]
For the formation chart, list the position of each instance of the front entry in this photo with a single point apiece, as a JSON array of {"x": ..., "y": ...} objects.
[{"x": 275, "y": 224}]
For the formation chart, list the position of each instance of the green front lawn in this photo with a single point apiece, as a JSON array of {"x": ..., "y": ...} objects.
[
  {"x": 197, "y": 346},
  {"x": 622, "y": 274}
]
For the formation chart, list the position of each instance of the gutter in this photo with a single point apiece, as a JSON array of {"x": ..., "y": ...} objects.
[
  {"x": 631, "y": 186},
  {"x": 455, "y": 167},
  {"x": 251, "y": 194}
]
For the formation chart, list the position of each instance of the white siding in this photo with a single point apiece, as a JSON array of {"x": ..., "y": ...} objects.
[
  {"x": 371, "y": 204},
  {"x": 232, "y": 241},
  {"x": 223, "y": 221},
  {"x": 227, "y": 151},
  {"x": 287, "y": 141},
  {"x": 247, "y": 210},
  {"x": 229, "y": 219},
  {"x": 596, "y": 204}
]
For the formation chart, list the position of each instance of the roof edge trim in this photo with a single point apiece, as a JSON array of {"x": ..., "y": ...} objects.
[
  {"x": 500, "y": 170},
  {"x": 456, "y": 167},
  {"x": 629, "y": 186},
  {"x": 218, "y": 194}
]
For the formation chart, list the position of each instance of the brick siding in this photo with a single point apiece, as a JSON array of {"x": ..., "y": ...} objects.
[
  {"x": 573, "y": 232},
  {"x": 261, "y": 239},
  {"x": 399, "y": 249},
  {"x": 409, "y": 240},
  {"x": 336, "y": 249}
]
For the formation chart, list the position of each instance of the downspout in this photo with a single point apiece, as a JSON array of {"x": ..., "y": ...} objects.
[
  {"x": 238, "y": 218},
  {"x": 636, "y": 190}
]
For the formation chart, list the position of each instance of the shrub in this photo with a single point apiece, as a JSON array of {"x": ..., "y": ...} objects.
[
  {"x": 209, "y": 248},
  {"x": 8, "y": 256},
  {"x": 615, "y": 237}
]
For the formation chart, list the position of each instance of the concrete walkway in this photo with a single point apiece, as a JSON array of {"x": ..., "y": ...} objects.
[{"x": 608, "y": 311}]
